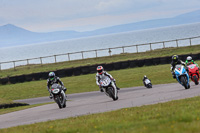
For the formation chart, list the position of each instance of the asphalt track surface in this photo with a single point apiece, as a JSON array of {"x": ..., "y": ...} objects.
[{"x": 96, "y": 102}]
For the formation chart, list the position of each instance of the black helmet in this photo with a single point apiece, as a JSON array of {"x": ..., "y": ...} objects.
[
  {"x": 51, "y": 75},
  {"x": 175, "y": 58}
]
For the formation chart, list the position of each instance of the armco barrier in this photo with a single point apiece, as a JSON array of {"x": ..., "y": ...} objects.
[
  {"x": 85, "y": 70},
  {"x": 61, "y": 73},
  {"x": 92, "y": 69},
  {"x": 13, "y": 80},
  {"x": 140, "y": 63},
  {"x": 69, "y": 72},
  {"x": 4, "y": 81},
  {"x": 195, "y": 57},
  {"x": 21, "y": 78},
  {"x": 44, "y": 75},
  {"x": 77, "y": 71},
  {"x": 133, "y": 63},
  {"x": 156, "y": 61},
  {"x": 28, "y": 77},
  {"x": 37, "y": 76},
  {"x": 125, "y": 64},
  {"x": 117, "y": 65},
  {"x": 109, "y": 67},
  {"x": 148, "y": 62}
]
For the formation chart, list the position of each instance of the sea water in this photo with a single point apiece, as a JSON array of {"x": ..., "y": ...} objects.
[{"x": 99, "y": 42}]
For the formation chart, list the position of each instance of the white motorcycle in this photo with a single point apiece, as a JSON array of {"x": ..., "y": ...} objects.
[
  {"x": 58, "y": 95},
  {"x": 109, "y": 87},
  {"x": 147, "y": 83}
]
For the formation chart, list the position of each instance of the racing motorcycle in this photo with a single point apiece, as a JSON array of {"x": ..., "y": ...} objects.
[
  {"x": 147, "y": 83},
  {"x": 194, "y": 73},
  {"x": 182, "y": 76},
  {"x": 58, "y": 95},
  {"x": 109, "y": 87}
]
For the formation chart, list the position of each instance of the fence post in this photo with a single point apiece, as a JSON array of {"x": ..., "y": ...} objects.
[
  {"x": 96, "y": 53},
  {"x": 27, "y": 62},
  {"x": 109, "y": 51},
  {"x": 68, "y": 57},
  {"x": 190, "y": 42},
  {"x": 55, "y": 58},
  {"x": 123, "y": 49},
  {"x": 163, "y": 44},
  {"x": 177, "y": 43},
  {"x": 14, "y": 64},
  {"x": 137, "y": 48},
  {"x": 82, "y": 55},
  {"x": 41, "y": 60},
  {"x": 150, "y": 46}
]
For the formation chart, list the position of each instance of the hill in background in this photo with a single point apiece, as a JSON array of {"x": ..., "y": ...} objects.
[{"x": 11, "y": 35}]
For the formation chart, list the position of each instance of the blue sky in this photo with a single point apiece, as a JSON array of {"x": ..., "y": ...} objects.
[{"x": 85, "y": 15}]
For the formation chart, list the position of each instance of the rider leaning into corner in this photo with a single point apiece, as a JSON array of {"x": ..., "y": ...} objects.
[
  {"x": 176, "y": 61},
  {"x": 52, "y": 80},
  {"x": 189, "y": 61},
  {"x": 100, "y": 74}
]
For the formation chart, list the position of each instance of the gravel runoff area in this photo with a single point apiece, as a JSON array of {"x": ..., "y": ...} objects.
[{"x": 96, "y": 102}]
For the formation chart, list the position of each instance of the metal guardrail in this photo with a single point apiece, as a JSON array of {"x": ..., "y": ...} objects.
[{"x": 109, "y": 51}]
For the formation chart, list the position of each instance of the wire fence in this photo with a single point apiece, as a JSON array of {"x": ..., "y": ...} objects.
[{"x": 102, "y": 52}]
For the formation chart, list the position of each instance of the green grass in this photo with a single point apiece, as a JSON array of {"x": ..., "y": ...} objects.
[
  {"x": 131, "y": 77},
  {"x": 86, "y": 83},
  {"x": 115, "y": 58},
  {"x": 180, "y": 116}
]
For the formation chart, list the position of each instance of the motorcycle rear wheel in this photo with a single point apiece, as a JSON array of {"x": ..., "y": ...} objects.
[
  {"x": 195, "y": 80},
  {"x": 110, "y": 91}
]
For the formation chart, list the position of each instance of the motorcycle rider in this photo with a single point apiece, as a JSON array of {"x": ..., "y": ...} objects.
[
  {"x": 54, "y": 79},
  {"x": 190, "y": 61},
  {"x": 176, "y": 61},
  {"x": 145, "y": 77},
  {"x": 100, "y": 74}
]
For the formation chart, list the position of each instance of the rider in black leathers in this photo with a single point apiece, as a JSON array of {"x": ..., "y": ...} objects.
[
  {"x": 176, "y": 61},
  {"x": 54, "y": 79}
]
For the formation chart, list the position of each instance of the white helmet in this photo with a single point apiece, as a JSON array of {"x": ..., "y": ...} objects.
[{"x": 189, "y": 59}]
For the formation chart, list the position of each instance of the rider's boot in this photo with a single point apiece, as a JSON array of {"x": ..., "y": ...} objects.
[
  {"x": 64, "y": 89},
  {"x": 101, "y": 89},
  {"x": 51, "y": 96}
]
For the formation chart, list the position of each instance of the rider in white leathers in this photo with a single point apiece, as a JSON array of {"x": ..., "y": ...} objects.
[{"x": 100, "y": 74}]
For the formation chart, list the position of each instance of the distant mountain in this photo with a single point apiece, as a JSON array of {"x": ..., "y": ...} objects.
[{"x": 11, "y": 35}]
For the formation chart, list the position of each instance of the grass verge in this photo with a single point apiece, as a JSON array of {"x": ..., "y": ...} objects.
[
  {"x": 115, "y": 58},
  {"x": 131, "y": 77},
  {"x": 180, "y": 116}
]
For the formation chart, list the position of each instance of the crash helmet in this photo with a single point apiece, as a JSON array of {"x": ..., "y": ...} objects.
[
  {"x": 189, "y": 59},
  {"x": 145, "y": 77},
  {"x": 100, "y": 69},
  {"x": 52, "y": 75},
  {"x": 175, "y": 58}
]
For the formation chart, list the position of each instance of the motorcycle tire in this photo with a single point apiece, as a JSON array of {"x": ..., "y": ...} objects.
[
  {"x": 184, "y": 82},
  {"x": 58, "y": 101},
  {"x": 195, "y": 80},
  {"x": 149, "y": 86},
  {"x": 111, "y": 93}
]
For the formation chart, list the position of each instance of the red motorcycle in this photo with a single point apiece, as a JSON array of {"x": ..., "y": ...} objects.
[{"x": 194, "y": 73}]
